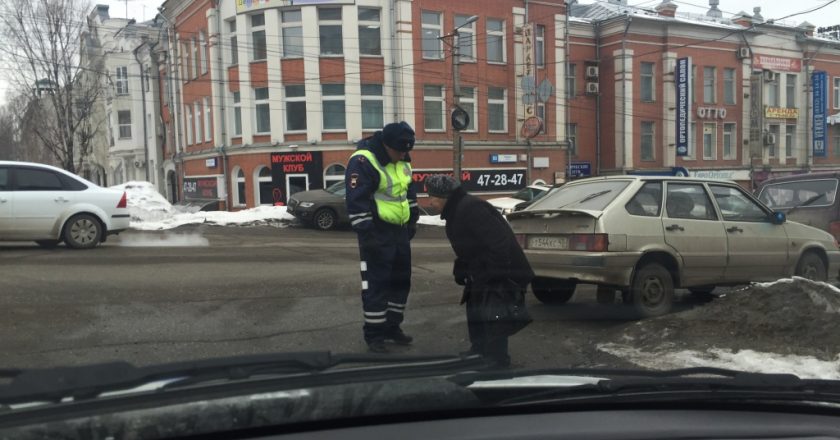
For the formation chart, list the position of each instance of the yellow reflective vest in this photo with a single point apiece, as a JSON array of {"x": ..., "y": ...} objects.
[{"x": 392, "y": 194}]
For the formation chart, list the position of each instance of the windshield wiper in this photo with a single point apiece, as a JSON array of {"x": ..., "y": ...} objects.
[
  {"x": 87, "y": 382},
  {"x": 587, "y": 198},
  {"x": 807, "y": 202}
]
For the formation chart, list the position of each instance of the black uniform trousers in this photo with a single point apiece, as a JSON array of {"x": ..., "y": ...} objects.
[{"x": 386, "y": 280}]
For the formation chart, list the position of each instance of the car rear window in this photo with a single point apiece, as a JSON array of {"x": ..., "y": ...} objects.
[
  {"x": 4, "y": 179},
  {"x": 789, "y": 194},
  {"x": 592, "y": 196}
]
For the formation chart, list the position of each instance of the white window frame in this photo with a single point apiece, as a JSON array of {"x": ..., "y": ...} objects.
[
  {"x": 287, "y": 23},
  {"x": 837, "y": 92},
  {"x": 195, "y": 57},
  {"x": 189, "y": 130},
  {"x": 258, "y": 201},
  {"x": 121, "y": 125},
  {"x": 571, "y": 81},
  {"x": 121, "y": 83},
  {"x": 202, "y": 49},
  {"x": 730, "y": 86},
  {"x": 238, "y": 176},
  {"x": 774, "y": 89},
  {"x": 652, "y": 136},
  {"x": 647, "y": 78},
  {"x": 334, "y": 98},
  {"x": 208, "y": 135},
  {"x": 790, "y": 90},
  {"x": 709, "y": 84},
  {"x": 713, "y": 141},
  {"x": 254, "y": 30},
  {"x": 494, "y": 101},
  {"x": 236, "y": 123},
  {"x": 330, "y": 179},
  {"x": 733, "y": 140},
  {"x": 772, "y": 150},
  {"x": 468, "y": 32},
  {"x": 185, "y": 60},
  {"x": 472, "y": 101},
  {"x": 199, "y": 133},
  {"x": 497, "y": 34},
  {"x": 540, "y": 110},
  {"x": 288, "y": 100},
  {"x": 233, "y": 42},
  {"x": 373, "y": 98},
  {"x": 790, "y": 140},
  {"x": 424, "y": 27},
  {"x": 439, "y": 99},
  {"x": 257, "y": 104},
  {"x": 370, "y": 24},
  {"x": 692, "y": 147},
  {"x": 540, "y": 46},
  {"x": 331, "y": 23}
]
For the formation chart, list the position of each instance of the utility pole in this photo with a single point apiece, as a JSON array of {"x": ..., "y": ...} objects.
[{"x": 457, "y": 145}]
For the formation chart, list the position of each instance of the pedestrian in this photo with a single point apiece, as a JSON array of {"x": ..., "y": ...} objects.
[
  {"x": 488, "y": 260},
  {"x": 383, "y": 211}
]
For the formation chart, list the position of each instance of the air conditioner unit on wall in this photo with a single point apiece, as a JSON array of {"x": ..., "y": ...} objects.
[
  {"x": 592, "y": 88},
  {"x": 770, "y": 76},
  {"x": 591, "y": 71},
  {"x": 743, "y": 53},
  {"x": 770, "y": 139}
]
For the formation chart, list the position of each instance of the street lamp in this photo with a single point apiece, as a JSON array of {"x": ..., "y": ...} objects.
[{"x": 458, "y": 143}]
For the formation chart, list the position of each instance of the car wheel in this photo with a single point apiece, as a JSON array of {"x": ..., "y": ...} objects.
[
  {"x": 553, "y": 291},
  {"x": 82, "y": 231},
  {"x": 325, "y": 219},
  {"x": 47, "y": 244},
  {"x": 652, "y": 291},
  {"x": 811, "y": 266},
  {"x": 702, "y": 293}
]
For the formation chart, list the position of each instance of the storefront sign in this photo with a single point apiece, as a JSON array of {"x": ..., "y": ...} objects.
[
  {"x": 779, "y": 64},
  {"x": 210, "y": 163},
  {"x": 721, "y": 174},
  {"x": 580, "y": 169},
  {"x": 205, "y": 188},
  {"x": 756, "y": 114},
  {"x": 820, "y": 84},
  {"x": 478, "y": 180},
  {"x": 503, "y": 158},
  {"x": 781, "y": 113},
  {"x": 683, "y": 120},
  {"x": 711, "y": 112},
  {"x": 528, "y": 57},
  {"x": 292, "y": 172}
]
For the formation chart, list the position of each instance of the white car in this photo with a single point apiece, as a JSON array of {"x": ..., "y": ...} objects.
[
  {"x": 49, "y": 205},
  {"x": 506, "y": 205}
]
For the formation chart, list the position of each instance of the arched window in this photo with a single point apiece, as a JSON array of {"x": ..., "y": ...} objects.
[
  {"x": 263, "y": 186},
  {"x": 239, "y": 185},
  {"x": 334, "y": 173}
]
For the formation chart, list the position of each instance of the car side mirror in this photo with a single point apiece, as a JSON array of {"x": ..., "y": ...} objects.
[{"x": 779, "y": 218}]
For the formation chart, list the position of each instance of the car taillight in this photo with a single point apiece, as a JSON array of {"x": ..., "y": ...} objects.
[
  {"x": 589, "y": 242},
  {"x": 123, "y": 202},
  {"x": 520, "y": 238}
]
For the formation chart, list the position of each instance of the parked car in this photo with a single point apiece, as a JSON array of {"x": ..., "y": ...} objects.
[
  {"x": 647, "y": 235},
  {"x": 506, "y": 205},
  {"x": 810, "y": 199},
  {"x": 323, "y": 208},
  {"x": 49, "y": 205}
]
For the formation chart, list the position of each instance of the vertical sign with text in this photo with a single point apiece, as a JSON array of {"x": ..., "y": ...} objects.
[
  {"x": 756, "y": 115},
  {"x": 820, "y": 83},
  {"x": 682, "y": 72},
  {"x": 528, "y": 56}
]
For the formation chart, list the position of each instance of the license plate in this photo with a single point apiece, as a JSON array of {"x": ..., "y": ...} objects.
[{"x": 548, "y": 242}]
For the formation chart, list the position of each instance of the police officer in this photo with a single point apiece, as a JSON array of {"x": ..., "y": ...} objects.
[{"x": 383, "y": 212}]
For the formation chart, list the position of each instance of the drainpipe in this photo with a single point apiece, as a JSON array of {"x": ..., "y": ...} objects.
[
  {"x": 624, "y": 93},
  {"x": 222, "y": 112},
  {"x": 394, "y": 74},
  {"x": 597, "y": 103}
]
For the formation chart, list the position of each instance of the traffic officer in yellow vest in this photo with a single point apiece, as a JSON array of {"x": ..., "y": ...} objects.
[{"x": 383, "y": 211}]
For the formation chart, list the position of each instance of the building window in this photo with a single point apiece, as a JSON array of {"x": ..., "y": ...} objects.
[
  {"x": 496, "y": 110},
  {"x": 540, "y": 47},
  {"x": 729, "y": 86},
  {"x": 239, "y": 184},
  {"x": 495, "y": 40},
  {"x": 208, "y": 135},
  {"x": 572, "y": 135},
  {"x": 334, "y": 113},
  {"x": 334, "y": 174},
  {"x": 729, "y": 141},
  {"x": 263, "y": 110},
  {"x": 372, "y": 107},
  {"x": 571, "y": 81},
  {"x": 433, "y": 108},
  {"x": 790, "y": 138},
  {"x": 773, "y": 94},
  {"x": 709, "y": 85},
  {"x": 264, "y": 187},
  {"x": 468, "y": 104},
  {"x": 295, "y": 108},
  {"x": 234, "y": 46},
  {"x": 124, "y": 121},
  {"x": 196, "y": 58},
  {"x": 541, "y": 114},
  {"x": 466, "y": 38},
  {"x": 258, "y": 44},
  {"x": 771, "y": 149},
  {"x": 692, "y": 135},
  {"x": 432, "y": 45},
  {"x": 122, "y": 80},
  {"x": 709, "y": 141},
  {"x": 292, "y": 33},
  {"x": 647, "y": 141},
  {"x": 647, "y": 81},
  {"x": 189, "y": 124},
  {"x": 837, "y": 93},
  {"x": 370, "y": 41},
  {"x": 185, "y": 61},
  {"x": 198, "y": 131},
  {"x": 237, "y": 114},
  {"x": 329, "y": 25},
  {"x": 790, "y": 91},
  {"x": 202, "y": 43}
]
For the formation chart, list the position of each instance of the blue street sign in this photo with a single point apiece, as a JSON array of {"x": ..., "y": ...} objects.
[
  {"x": 683, "y": 122},
  {"x": 580, "y": 169},
  {"x": 819, "y": 81}
]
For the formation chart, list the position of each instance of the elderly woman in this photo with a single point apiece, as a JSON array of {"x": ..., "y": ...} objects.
[{"x": 488, "y": 258}]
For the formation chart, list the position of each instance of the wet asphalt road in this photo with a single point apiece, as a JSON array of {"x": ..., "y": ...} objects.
[{"x": 206, "y": 291}]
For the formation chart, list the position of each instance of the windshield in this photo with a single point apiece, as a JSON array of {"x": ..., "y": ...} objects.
[
  {"x": 595, "y": 195},
  {"x": 819, "y": 192}
]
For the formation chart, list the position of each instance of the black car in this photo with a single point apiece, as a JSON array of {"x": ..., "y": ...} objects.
[{"x": 323, "y": 208}]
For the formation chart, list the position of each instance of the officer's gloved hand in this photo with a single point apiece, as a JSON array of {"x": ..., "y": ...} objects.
[
  {"x": 412, "y": 231},
  {"x": 460, "y": 273}
]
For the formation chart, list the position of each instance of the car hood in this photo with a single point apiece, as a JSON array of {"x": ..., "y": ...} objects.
[
  {"x": 315, "y": 195},
  {"x": 796, "y": 230}
]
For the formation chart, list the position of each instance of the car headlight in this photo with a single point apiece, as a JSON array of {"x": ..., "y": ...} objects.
[
  {"x": 306, "y": 204},
  {"x": 507, "y": 211}
]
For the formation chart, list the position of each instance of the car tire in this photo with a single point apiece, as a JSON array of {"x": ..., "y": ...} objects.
[
  {"x": 553, "y": 291},
  {"x": 702, "y": 293},
  {"x": 811, "y": 266},
  {"x": 82, "y": 231},
  {"x": 652, "y": 291},
  {"x": 48, "y": 244},
  {"x": 325, "y": 219}
]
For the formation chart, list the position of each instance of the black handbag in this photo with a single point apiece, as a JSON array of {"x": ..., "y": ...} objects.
[{"x": 502, "y": 307}]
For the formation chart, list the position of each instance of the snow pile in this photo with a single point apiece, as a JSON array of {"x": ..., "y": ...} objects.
[
  {"x": 786, "y": 326},
  {"x": 144, "y": 202},
  {"x": 259, "y": 216}
]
